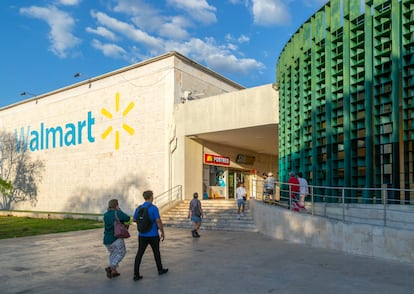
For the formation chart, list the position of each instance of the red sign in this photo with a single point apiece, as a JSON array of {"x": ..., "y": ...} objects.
[{"x": 216, "y": 159}]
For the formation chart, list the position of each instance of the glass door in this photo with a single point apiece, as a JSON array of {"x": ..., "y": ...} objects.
[{"x": 235, "y": 178}]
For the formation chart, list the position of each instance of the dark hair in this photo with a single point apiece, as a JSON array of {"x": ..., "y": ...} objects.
[
  {"x": 112, "y": 204},
  {"x": 195, "y": 195},
  {"x": 300, "y": 174},
  {"x": 147, "y": 194}
]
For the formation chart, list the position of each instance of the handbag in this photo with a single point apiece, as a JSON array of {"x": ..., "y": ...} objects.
[{"x": 120, "y": 230}]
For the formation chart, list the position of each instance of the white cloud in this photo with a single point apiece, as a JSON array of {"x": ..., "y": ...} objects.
[
  {"x": 154, "y": 33},
  {"x": 110, "y": 50},
  {"x": 243, "y": 39},
  {"x": 127, "y": 30},
  {"x": 61, "y": 25},
  {"x": 103, "y": 32},
  {"x": 198, "y": 10},
  {"x": 143, "y": 14},
  {"x": 70, "y": 2},
  {"x": 219, "y": 58},
  {"x": 232, "y": 46},
  {"x": 270, "y": 12},
  {"x": 174, "y": 28},
  {"x": 152, "y": 20}
]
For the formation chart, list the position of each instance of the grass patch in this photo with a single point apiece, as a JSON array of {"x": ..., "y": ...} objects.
[{"x": 13, "y": 226}]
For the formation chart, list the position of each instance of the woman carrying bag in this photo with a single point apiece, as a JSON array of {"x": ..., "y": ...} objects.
[{"x": 115, "y": 246}]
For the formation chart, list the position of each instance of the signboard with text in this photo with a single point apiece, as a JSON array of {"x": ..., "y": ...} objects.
[{"x": 216, "y": 159}]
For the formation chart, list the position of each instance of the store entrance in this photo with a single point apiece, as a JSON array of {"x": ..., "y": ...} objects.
[
  {"x": 235, "y": 178},
  {"x": 221, "y": 182}
]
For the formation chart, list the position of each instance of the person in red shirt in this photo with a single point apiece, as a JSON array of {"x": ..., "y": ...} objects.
[{"x": 294, "y": 189}]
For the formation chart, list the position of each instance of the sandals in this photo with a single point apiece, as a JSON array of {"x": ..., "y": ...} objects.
[{"x": 108, "y": 272}]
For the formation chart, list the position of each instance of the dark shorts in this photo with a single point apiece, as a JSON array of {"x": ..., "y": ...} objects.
[
  {"x": 240, "y": 202},
  {"x": 196, "y": 219}
]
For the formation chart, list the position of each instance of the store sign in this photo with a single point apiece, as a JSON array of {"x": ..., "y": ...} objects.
[
  {"x": 45, "y": 137},
  {"x": 245, "y": 159},
  {"x": 216, "y": 159},
  {"x": 67, "y": 134}
]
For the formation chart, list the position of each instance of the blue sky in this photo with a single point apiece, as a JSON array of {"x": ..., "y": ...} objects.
[{"x": 45, "y": 42}]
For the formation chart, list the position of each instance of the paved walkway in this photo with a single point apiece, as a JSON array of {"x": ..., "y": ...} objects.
[{"x": 218, "y": 262}]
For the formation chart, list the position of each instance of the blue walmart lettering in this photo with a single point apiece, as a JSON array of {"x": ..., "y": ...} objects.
[{"x": 53, "y": 137}]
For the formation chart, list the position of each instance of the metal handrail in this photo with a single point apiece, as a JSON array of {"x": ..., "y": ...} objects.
[
  {"x": 357, "y": 205},
  {"x": 169, "y": 198}
]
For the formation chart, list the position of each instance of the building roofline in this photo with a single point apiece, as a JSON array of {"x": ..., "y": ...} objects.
[{"x": 127, "y": 68}]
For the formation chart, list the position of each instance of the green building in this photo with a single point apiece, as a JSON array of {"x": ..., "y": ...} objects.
[{"x": 346, "y": 91}]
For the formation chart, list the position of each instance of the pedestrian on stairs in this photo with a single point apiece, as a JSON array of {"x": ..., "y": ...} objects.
[
  {"x": 196, "y": 213},
  {"x": 241, "y": 195}
]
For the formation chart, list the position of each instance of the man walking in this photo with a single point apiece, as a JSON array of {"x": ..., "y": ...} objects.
[
  {"x": 303, "y": 190},
  {"x": 196, "y": 213},
  {"x": 270, "y": 183},
  {"x": 241, "y": 195},
  {"x": 151, "y": 237}
]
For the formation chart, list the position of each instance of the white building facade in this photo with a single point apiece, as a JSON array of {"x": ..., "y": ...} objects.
[{"x": 154, "y": 125}]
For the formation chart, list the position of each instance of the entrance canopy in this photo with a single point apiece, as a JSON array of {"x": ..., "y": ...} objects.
[
  {"x": 260, "y": 139},
  {"x": 245, "y": 119}
]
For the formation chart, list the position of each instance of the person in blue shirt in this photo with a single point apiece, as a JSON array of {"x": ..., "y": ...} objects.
[
  {"x": 115, "y": 246},
  {"x": 151, "y": 237}
]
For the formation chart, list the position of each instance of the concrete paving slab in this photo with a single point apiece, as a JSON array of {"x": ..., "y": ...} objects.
[{"x": 218, "y": 262}]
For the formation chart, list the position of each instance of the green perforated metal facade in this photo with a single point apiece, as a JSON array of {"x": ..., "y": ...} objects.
[{"x": 346, "y": 91}]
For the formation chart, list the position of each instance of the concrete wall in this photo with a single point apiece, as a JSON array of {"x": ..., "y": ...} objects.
[
  {"x": 360, "y": 239},
  {"x": 193, "y": 169},
  {"x": 82, "y": 177}
]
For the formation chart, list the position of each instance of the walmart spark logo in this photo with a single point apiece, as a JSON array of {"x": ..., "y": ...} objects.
[{"x": 110, "y": 116}]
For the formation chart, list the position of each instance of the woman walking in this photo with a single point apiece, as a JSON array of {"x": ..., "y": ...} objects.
[{"x": 115, "y": 246}]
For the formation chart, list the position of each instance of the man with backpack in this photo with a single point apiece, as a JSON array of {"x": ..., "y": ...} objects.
[{"x": 149, "y": 222}]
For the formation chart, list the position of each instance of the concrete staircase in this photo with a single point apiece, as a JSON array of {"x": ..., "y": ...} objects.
[{"x": 220, "y": 215}]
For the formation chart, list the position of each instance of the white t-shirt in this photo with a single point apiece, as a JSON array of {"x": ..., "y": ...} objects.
[
  {"x": 303, "y": 184},
  {"x": 240, "y": 192}
]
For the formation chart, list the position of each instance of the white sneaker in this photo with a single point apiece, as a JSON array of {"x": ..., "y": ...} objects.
[
  {"x": 242, "y": 214},
  {"x": 238, "y": 216}
]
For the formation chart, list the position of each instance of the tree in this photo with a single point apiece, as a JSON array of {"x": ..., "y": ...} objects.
[{"x": 19, "y": 174}]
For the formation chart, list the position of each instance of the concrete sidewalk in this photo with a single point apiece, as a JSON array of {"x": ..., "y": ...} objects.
[{"x": 218, "y": 262}]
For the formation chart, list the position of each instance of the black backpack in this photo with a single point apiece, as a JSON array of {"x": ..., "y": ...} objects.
[{"x": 143, "y": 220}]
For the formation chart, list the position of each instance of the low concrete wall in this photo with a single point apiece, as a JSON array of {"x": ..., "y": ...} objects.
[
  {"x": 51, "y": 215},
  {"x": 359, "y": 239}
]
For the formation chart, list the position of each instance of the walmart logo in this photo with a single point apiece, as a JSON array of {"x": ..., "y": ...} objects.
[
  {"x": 73, "y": 133},
  {"x": 109, "y": 115}
]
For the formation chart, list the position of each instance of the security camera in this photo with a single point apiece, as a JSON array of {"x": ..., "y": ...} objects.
[{"x": 187, "y": 95}]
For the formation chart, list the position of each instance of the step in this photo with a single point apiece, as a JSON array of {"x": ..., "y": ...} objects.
[{"x": 219, "y": 215}]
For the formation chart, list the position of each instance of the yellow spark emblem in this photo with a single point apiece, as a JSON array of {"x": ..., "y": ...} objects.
[{"x": 109, "y": 115}]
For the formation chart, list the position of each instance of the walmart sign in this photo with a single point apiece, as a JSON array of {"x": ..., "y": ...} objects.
[
  {"x": 45, "y": 137},
  {"x": 71, "y": 133}
]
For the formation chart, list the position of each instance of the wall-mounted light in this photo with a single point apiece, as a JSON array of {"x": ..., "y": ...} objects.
[
  {"x": 24, "y": 93},
  {"x": 78, "y": 74}
]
